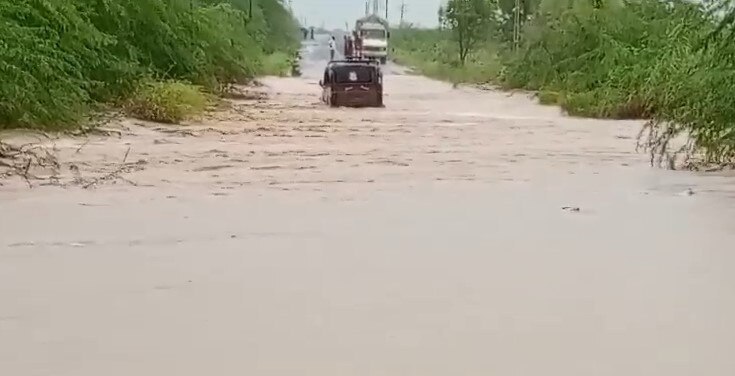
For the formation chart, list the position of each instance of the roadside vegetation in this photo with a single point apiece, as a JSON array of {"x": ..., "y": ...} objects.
[
  {"x": 61, "y": 60},
  {"x": 167, "y": 101},
  {"x": 671, "y": 62}
]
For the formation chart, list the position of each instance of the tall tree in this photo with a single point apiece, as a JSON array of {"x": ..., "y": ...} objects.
[
  {"x": 440, "y": 14},
  {"x": 470, "y": 22}
]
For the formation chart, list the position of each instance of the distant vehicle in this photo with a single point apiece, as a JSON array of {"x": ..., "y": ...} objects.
[
  {"x": 352, "y": 83},
  {"x": 374, "y": 33}
]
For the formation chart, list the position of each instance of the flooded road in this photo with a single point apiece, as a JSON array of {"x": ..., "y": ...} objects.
[{"x": 454, "y": 232}]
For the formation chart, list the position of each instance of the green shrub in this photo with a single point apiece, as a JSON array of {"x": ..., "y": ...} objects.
[
  {"x": 602, "y": 59},
  {"x": 277, "y": 64},
  {"x": 44, "y": 52},
  {"x": 613, "y": 59},
  {"x": 637, "y": 59},
  {"x": 549, "y": 97},
  {"x": 59, "y": 58},
  {"x": 167, "y": 101}
]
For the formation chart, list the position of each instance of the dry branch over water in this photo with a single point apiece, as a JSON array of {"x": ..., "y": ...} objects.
[{"x": 25, "y": 160}]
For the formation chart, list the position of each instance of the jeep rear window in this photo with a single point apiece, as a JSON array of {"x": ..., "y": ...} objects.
[{"x": 356, "y": 74}]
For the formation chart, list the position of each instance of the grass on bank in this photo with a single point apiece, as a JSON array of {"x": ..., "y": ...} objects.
[
  {"x": 167, "y": 101},
  {"x": 432, "y": 53},
  {"x": 639, "y": 59},
  {"x": 277, "y": 64}
]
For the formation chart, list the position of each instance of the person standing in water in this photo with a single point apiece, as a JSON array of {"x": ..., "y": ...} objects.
[
  {"x": 332, "y": 48},
  {"x": 349, "y": 47},
  {"x": 357, "y": 44}
]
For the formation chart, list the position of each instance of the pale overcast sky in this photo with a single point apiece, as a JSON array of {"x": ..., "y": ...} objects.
[{"x": 334, "y": 13}]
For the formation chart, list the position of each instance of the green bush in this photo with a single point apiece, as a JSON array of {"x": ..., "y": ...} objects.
[
  {"x": 59, "y": 58},
  {"x": 612, "y": 59},
  {"x": 45, "y": 51},
  {"x": 639, "y": 59},
  {"x": 601, "y": 59},
  {"x": 167, "y": 101},
  {"x": 277, "y": 64}
]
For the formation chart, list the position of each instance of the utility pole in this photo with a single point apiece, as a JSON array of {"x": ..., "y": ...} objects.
[
  {"x": 403, "y": 12},
  {"x": 367, "y": 8},
  {"x": 386, "y": 10},
  {"x": 517, "y": 25}
]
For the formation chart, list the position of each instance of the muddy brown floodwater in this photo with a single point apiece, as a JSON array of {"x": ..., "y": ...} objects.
[{"x": 454, "y": 232}]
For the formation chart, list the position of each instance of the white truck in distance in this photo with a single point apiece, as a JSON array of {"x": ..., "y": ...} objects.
[{"x": 374, "y": 34}]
